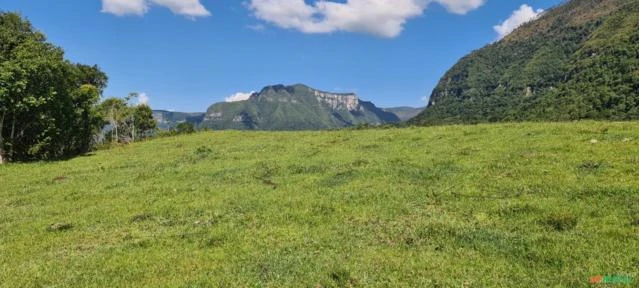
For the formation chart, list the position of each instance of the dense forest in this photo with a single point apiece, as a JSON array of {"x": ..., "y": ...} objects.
[
  {"x": 50, "y": 107},
  {"x": 577, "y": 61}
]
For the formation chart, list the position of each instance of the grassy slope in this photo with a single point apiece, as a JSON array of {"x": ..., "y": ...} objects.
[{"x": 486, "y": 205}]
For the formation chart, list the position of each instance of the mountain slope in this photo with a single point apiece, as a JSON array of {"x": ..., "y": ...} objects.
[
  {"x": 168, "y": 119},
  {"x": 296, "y": 107},
  {"x": 579, "y": 60},
  {"x": 404, "y": 113}
]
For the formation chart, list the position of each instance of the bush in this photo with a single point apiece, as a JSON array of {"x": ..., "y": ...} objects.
[{"x": 185, "y": 128}]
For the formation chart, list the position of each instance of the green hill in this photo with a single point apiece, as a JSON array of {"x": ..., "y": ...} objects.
[
  {"x": 296, "y": 107},
  {"x": 168, "y": 119},
  {"x": 577, "y": 61},
  {"x": 507, "y": 205}
]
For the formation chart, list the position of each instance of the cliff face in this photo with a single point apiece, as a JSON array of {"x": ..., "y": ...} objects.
[
  {"x": 349, "y": 102},
  {"x": 577, "y": 61},
  {"x": 296, "y": 107}
]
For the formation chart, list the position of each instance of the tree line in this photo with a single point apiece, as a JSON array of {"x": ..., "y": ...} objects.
[{"x": 50, "y": 108}]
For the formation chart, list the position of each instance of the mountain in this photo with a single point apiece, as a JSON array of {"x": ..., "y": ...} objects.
[
  {"x": 296, "y": 107},
  {"x": 404, "y": 113},
  {"x": 579, "y": 60},
  {"x": 168, "y": 119}
]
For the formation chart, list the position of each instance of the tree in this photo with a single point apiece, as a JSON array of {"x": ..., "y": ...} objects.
[
  {"x": 143, "y": 120},
  {"x": 113, "y": 111},
  {"x": 47, "y": 104},
  {"x": 185, "y": 128},
  {"x": 127, "y": 122}
]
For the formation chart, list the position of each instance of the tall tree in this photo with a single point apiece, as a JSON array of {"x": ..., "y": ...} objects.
[
  {"x": 127, "y": 122},
  {"x": 47, "y": 104},
  {"x": 143, "y": 120},
  {"x": 113, "y": 111}
]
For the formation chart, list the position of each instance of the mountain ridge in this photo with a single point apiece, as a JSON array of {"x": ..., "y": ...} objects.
[
  {"x": 295, "y": 107},
  {"x": 308, "y": 108},
  {"x": 577, "y": 61}
]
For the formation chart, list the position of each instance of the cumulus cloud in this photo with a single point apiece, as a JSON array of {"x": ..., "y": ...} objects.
[
  {"x": 125, "y": 7},
  {"x": 239, "y": 97},
  {"x": 384, "y": 18},
  {"x": 143, "y": 99},
  {"x": 189, "y": 8},
  {"x": 524, "y": 14},
  {"x": 461, "y": 6}
]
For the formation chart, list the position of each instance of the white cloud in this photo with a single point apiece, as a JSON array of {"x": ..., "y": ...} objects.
[
  {"x": 239, "y": 97},
  {"x": 143, "y": 99},
  {"x": 524, "y": 14},
  {"x": 125, "y": 7},
  {"x": 189, "y": 8},
  {"x": 461, "y": 6},
  {"x": 384, "y": 18},
  {"x": 256, "y": 27}
]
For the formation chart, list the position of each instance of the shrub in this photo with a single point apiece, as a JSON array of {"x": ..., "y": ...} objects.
[{"x": 185, "y": 128}]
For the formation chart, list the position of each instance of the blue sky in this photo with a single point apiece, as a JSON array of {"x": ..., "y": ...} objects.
[{"x": 187, "y": 58}]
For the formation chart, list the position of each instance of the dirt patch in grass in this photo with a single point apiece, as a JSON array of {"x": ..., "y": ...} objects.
[
  {"x": 563, "y": 221},
  {"x": 59, "y": 227}
]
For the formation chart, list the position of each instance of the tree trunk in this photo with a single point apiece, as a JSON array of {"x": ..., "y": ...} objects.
[
  {"x": 13, "y": 128},
  {"x": 3, "y": 158},
  {"x": 133, "y": 132}
]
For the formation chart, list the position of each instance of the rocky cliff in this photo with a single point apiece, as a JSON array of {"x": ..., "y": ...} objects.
[{"x": 296, "y": 107}]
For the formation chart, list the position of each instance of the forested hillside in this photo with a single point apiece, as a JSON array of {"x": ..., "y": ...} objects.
[{"x": 579, "y": 60}]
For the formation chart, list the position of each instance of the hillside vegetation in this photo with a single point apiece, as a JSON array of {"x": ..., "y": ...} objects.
[
  {"x": 48, "y": 105},
  {"x": 577, "y": 61},
  {"x": 509, "y": 205},
  {"x": 169, "y": 119},
  {"x": 295, "y": 107}
]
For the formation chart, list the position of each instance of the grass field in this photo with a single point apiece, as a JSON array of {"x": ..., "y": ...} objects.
[{"x": 509, "y": 205}]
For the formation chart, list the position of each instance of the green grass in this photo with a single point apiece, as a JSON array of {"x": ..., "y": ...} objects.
[{"x": 509, "y": 205}]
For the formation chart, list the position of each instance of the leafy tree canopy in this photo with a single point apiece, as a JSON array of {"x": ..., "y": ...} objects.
[
  {"x": 185, "y": 128},
  {"x": 127, "y": 122},
  {"x": 47, "y": 104}
]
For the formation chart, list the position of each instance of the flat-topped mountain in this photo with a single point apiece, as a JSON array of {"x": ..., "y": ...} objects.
[{"x": 296, "y": 107}]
